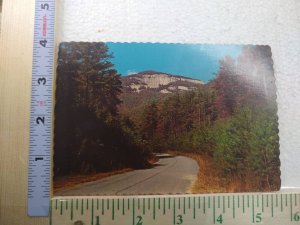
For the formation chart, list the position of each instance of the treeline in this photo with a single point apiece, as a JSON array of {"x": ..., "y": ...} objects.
[
  {"x": 232, "y": 118},
  {"x": 90, "y": 136}
]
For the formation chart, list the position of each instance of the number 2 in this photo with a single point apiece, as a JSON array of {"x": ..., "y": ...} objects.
[
  {"x": 40, "y": 120},
  {"x": 140, "y": 220}
]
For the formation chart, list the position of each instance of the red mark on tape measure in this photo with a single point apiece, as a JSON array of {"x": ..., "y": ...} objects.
[
  {"x": 44, "y": 26},
  {"x": 41, "y": 103}
]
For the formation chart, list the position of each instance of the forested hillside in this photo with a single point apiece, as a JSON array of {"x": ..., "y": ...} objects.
[{"x": 232, "y": 118}]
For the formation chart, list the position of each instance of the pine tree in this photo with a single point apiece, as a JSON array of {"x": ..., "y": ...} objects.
[{"x": 86, "y": 100}]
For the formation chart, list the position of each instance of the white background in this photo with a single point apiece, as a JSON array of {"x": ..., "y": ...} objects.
[{"x": 268, "y": 22}]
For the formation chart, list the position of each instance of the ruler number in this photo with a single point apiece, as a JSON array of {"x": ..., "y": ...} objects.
[
  {"x": 258, "y": 218},
  {"x": 296, "y": 216},
  {"x": 45, "y": 6},
  {"x": 97, "y": 220},
  {"x": 179, "y": 220},
  {"x": 140, "y": 220},
  {"x": 40, "y": 120},
  {"x": 43, "y": 43},
  {"x": 220, "y": 219},
  {"x": 42, "y": 81}
]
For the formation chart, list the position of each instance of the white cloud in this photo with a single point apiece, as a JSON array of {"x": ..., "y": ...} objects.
[
  {"x": 219, "y": 51},
  {"x": 130, "y": 72}
]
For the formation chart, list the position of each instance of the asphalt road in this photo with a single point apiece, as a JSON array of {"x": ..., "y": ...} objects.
[{"x": 170, "y": 175}]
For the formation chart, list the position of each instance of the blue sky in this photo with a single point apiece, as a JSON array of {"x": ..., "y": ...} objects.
[{"x": 190, "y": 60}]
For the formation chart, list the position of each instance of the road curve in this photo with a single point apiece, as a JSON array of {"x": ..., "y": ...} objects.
[{"x": 170, "y": 175}]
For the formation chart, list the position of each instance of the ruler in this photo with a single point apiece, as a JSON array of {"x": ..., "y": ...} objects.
[
  {"x": 228, "y": 209},
  {"x": 41, "y": 109}
]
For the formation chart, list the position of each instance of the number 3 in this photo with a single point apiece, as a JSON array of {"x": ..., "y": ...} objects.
[
  {"x": 42, "y": 81},
  {"x": 179, "y": 219}
]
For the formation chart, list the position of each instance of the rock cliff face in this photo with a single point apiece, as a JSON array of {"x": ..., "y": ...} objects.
[{"x": 158, "y": 82}]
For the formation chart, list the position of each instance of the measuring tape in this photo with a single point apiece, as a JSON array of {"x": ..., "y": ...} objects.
[
  {"x": 41, "y": 109},
  {"x": 275, "y": 208}
]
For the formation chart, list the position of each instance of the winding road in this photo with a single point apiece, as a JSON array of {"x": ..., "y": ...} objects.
[{"x": 170, "y": 175}]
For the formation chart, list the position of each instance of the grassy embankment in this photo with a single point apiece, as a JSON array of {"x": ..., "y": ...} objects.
[{"x": 211, "y": 180}]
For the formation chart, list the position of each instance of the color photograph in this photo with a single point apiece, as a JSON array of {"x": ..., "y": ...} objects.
[{"x": 164, "y": 118}]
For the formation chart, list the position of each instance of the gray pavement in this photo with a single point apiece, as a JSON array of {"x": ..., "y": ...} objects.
[{"x": 170, "y": 175}]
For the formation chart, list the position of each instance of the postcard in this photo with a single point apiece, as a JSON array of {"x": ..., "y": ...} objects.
[{"x": 164, "y": 118}]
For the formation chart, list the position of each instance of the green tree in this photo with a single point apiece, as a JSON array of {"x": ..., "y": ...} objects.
[
  {"x": 247, "y": 144},
  {"x": 232, "y": 142},
  {"x": 150, "y": 120},
  {"x": 88, "y": 133},
  {"x": 97, "y": 82},
  {"x": 264, "y": 144}
]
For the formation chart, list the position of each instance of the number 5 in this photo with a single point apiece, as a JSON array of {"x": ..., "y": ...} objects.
[
  {"x": 258, "y": 217},
  {"x": 45, "y": 6}
]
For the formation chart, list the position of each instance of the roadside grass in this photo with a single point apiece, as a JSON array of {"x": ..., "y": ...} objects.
[
  {"x": 208, "y": 178},
  {"x": 211, "y": 180}
]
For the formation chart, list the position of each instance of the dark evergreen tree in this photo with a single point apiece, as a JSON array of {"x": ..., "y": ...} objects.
[{"x": 88, "y": 132}]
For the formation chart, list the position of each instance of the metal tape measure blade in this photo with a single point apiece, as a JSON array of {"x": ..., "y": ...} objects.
[{"x": 41, "y": 109}]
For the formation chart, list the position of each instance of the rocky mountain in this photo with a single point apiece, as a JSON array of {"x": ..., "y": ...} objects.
[{"x": 152, "y": 81}]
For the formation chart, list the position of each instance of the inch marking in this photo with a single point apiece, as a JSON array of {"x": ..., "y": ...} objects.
[{"x": 39, "y": 158}]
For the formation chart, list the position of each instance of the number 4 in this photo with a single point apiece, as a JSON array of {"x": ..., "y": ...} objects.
[
  {"x": 220, "y": 219},
  {"x": 43, "y": 43}
]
